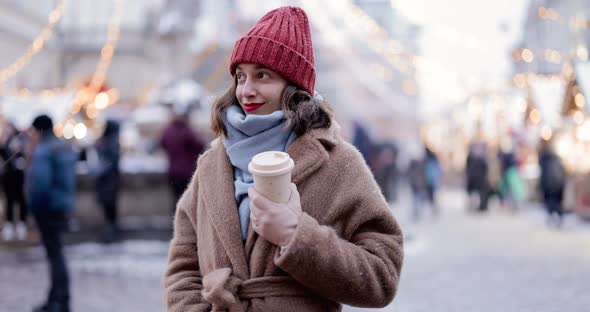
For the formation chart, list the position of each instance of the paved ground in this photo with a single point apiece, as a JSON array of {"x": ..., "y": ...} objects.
[
  {"x": 495, "y": 262},
  {"x": 459, "y": 262}
]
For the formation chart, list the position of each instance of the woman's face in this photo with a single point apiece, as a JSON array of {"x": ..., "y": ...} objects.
[{"x": 259, "y": 89}]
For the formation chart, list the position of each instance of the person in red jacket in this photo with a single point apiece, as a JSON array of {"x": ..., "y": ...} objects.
[{"x": 182, "y": 146}]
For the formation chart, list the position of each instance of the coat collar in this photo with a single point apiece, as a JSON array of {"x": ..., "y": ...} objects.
[{"x": 309, "y": 151}]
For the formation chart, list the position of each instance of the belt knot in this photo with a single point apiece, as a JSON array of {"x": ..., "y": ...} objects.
[{"x": 221, "y": 289}]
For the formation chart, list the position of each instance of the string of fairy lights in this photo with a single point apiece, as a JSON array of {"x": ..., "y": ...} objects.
[
  {"x": 405, "y": 61},
  {"x": 527, "y": 55},
  {"x": 575, "y": 23},
  {"x": 521, "y": 80},
  {"x": 90, "y": 99},
  {"x": 575, "y": 125},
  {"x": 566, "y": 60},
  {"x": 85, "y": 95},
  {"x": 34, "y": 48},
  {"x": 391, "y": 50},
  {"x": 98, "y": 77}
]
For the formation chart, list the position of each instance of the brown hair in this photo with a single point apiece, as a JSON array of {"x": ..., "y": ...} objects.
[{"x": 300, "y": 108}]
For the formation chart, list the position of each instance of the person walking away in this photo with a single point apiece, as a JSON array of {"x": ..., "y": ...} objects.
[
  {"x": 417, "y": 181},
  {"x": 12, "y": 152},
  {"x": 363, "y": 142},
  {"x": 512, "y": 186},
  {"x": 50, "y": 184},
  {"x": 108, "y": 179},
  {"x": 182, "y": 146},
  {"x": 552, "y": 184},
  {"x": 494, "y": 177},
  {"x": 433, "y": 174},
  {"x": 333, "y": 242},
  {"x": 385, "y": 169},
  {"x": 476, "y": 170}
]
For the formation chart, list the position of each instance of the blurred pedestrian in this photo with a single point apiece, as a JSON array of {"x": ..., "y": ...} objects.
[
  {"x": 494, "y": 176},
  {"x": 512, "y": 186},
  {"x": 182, "y": 146},
  {"x": 417, "y": 181},
  {"x": 51, "y": 194},
  {"x": 12, "y": 151},
  {"x": 476, "y": 169},
  {"x": 433, "y": 174},
  {"x": 335, "y": 239},
  {"x": 108, "y": 178},
  {"x": 385, "y": 169},
  {"x": 423, "y": 177},
  {"x": 552, "y": 183},
  {"x": 363, "y": 142}
]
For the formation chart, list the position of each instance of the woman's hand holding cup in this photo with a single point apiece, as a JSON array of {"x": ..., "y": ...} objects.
[{"x": 276, "y": 222}]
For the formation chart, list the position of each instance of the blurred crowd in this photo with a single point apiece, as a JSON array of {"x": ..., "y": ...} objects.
[
  {"x": 39, "y": 172},
  {"x": 490, "y": 172},
  {"x": 39, "y": 178}
]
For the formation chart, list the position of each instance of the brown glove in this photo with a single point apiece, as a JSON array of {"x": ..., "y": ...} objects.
[{"x": 276, "y": 222}]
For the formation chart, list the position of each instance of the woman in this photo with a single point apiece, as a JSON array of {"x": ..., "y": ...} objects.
[{"x": 334, "y": 242}]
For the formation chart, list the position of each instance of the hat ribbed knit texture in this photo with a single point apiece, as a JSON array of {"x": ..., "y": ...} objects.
[{"x": 280, "y": 41}]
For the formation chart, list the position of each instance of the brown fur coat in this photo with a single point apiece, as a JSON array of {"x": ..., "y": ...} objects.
[{"x": 347, "y": 247}]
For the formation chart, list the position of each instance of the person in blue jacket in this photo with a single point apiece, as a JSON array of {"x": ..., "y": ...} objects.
[{"x": 51, "y": 194}]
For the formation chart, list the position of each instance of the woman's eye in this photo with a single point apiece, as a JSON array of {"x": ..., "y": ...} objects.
[
  {"x": 240, "y": 76},
  {"x": 263, "y": 75}
]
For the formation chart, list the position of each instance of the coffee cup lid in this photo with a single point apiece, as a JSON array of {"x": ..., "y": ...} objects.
[{"x": 271, "y": 163}]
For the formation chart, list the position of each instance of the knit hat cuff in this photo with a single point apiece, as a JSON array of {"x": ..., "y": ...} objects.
[{"x": 276, "y": 56}]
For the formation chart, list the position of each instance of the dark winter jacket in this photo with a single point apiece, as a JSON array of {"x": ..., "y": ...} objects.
[
  {"x": 476, "y": 170},
  {"x": 182, "y": 147},
  {"x": 552, "y": 173},
  {"x": 52, "y": 175},
  {"x": 107, "y": 173}
]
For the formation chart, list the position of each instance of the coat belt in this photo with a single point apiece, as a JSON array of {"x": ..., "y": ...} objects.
[{"x": 221, "y": 289}]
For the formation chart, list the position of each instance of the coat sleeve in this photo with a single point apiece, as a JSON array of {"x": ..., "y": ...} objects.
[
  {"x": 183, "y": 280},
  {"x": 360, "y": 263}
]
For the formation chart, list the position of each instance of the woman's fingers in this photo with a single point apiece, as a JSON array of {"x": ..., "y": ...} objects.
[{"x": 259, "y": 200}]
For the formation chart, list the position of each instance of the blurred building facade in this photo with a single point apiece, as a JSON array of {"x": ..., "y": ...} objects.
[
  {"x": 151, "y": 48},
  {"x": 555, "y": 31},
  {"x": 365, "y": 57}
]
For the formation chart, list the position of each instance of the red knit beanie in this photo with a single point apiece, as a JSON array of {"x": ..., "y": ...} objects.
[{"x": 280, "y": 41}]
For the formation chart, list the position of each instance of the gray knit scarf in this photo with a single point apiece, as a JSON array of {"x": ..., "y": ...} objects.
[{"x": 248, "y": 135}]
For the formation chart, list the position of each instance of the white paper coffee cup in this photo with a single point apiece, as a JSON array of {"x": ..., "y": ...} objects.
[{"x": 272, "y": 175}]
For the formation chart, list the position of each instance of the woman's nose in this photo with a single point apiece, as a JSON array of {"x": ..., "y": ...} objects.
[{"x": 249, "y": 88}]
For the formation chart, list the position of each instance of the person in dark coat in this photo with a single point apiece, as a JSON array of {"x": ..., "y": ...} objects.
[
  {"x": 108, "y": 178},
  {"x": 552, "y": 184},
  {"x": 50, "y": 189},
  {"x": 182, "y": 146},
  {"x": 385, "y": 169},
  {"x": 476, "y": 170},
  {"x": 12, "y": 152},
  {"x": 362, "y": 141}
]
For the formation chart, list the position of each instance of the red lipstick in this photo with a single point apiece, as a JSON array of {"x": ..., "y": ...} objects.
[{"x": 250, "y": 107}]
